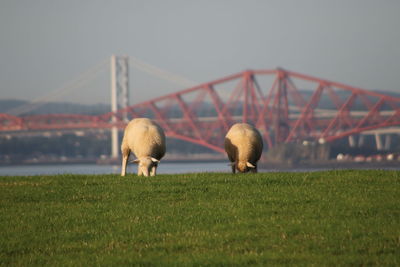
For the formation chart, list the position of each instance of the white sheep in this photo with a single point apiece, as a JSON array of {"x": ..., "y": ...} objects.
[
  {"x": 146, "y": 140},
  {"x": 243, "y": 145}
]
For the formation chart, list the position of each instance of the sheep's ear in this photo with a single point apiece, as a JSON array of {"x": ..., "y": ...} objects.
[
  {"x": 135, "y": 161},
  {"x": 248, "y": 164},
  {"x": 154, "y": 160}
]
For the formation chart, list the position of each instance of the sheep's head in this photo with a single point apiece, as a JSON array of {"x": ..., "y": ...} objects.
[
  {"x": 147, "y": 165},
  {"x": 243, "y": 167}
]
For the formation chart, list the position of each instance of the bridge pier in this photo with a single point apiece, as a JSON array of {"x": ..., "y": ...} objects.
[
  {"x": 119, "y": 96},
  {"x": 352, "y": 141},
  {"x": 388, "y": 142},
  {"x": 378, "y": 141},
  {"x": 114, "y": 143},
  {"x": 361, "y": 140}
]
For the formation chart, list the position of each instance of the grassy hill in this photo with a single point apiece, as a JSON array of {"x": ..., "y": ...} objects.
[{"x": 311, "y": 218}]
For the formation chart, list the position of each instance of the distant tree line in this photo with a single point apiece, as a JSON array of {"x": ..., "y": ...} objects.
[{"x": 205, "y": 109}]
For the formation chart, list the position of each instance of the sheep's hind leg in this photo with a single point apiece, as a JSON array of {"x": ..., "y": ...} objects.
[{"x": 125, "y": 156}]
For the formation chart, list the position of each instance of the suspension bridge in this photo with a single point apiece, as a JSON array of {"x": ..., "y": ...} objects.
[{"x": 285, "y": 106}]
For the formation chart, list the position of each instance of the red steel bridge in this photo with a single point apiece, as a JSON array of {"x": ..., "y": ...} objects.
[{"x": 285, "y": 106}]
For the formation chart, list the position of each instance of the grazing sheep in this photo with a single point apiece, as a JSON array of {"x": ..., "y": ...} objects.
[
  {"x": 146, "y": 140},
  {"x": 243, "y": 144}
]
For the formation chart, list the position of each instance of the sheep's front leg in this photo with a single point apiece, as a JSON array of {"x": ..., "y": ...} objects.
[
  {"x": 139, "y": 170},
  {"x": 125, "y": 156},
  {"x": 153, "y": 171},
  {"x": 254, "y": 170},
  {"x": 233, "y": 167}
]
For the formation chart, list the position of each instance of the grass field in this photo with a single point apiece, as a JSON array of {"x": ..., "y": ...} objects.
[{"x": 311, "y": 218}]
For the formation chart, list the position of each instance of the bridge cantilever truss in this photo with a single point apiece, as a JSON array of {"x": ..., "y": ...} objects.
[{"x": 285, "y": 106}]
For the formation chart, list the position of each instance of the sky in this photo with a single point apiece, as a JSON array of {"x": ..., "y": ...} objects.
[{"x": 46, "y": 44}]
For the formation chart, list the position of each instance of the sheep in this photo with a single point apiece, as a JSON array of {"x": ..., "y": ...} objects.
[
  {"x": 146, "y": 140},
  {"x": 243, "y": 145}
]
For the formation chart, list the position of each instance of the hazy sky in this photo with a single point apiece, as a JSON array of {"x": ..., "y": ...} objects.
[{"x": 47, "y": 43}]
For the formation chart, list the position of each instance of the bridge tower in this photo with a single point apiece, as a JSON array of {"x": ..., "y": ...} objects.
[{"x": 119, "y": 95}]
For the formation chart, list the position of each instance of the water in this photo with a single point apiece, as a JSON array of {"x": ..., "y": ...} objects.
[{"x": 163, "y": 168}]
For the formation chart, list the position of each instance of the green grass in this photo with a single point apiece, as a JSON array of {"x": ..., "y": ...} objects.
[{"x": 313, "y": 218}]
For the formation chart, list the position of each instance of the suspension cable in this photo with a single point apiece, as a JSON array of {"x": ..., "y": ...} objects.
[{"x": 69, "y": 87}]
